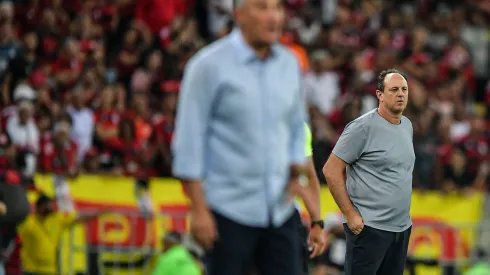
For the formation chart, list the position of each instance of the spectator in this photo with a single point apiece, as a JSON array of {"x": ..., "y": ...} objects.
[
  {"x": 147, "y": 79},
  {"x": 67, "y": 67},
  {"x": 41, "y": 235},
  {"x": 59, "y": 157},
  {"x": 130, "y": 153},
  {"x": 23, "y": 64},
  {"x": 322, "y": 84},
  {"x": 49, "y": 35},
  {"x": 83, "y": 123},
  {"x": 9, "y": 49},
  {"x": 459, "y": 176},
  {"x": 163, "y": 129},
  {"x": 140, "y": 115},
  {"x": 22, "y": 128}
]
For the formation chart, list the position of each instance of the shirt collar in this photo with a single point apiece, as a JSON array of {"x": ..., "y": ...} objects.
[{"x": 245, "y": 52}]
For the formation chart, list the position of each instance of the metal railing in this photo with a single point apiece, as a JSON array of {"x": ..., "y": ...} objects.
[{"x": 129, "y": 243}]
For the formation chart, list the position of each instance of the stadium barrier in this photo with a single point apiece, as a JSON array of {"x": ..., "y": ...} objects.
[{"x": 445, "y": 226}]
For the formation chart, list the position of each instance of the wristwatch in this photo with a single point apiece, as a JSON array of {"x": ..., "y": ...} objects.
[{"x": 320, "y": 223}]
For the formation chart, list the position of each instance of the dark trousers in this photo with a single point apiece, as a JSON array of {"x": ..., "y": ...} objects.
[
  {"x": 271, "y": 250},
  {"x": 376, "y": 252},
  {"x": 304, "y": 254}
]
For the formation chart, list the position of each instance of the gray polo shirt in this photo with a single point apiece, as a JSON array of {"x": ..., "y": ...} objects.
[{"x": 379, "y": 175}]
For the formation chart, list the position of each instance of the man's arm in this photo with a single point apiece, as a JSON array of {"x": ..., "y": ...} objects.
[
  {"x": 348, "y": 149},
  {"x": 334, "y": 171},
  {"x": 81, "y": 218},
  {"x": 193, "y": 116},
  {"x": 311, "y": 198},
  {"x": 298, "y": 137},
  {"x": 313, "y": 204}
]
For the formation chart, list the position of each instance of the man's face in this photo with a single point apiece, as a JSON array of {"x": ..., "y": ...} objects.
[
  {"x": 261, "y": 20},
  {"x": 61, "y": 137},
  {"x": 395, "y": 95},
  {"x": 24, "y": 115},
  {"x": 45, "y": 209}
]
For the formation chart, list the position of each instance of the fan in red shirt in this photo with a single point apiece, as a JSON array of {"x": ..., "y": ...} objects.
[
  {"x": 59, "y": 157},
  {"x": 7, "y": 151},
  {"x": 107, "y": 117},
  {"x": 163, "y": 129},
  {"x": 129, "y": 56},
  {"x": 49, "y": 36},
  {"x": 58, "y": 152},
  {"x": 140, "y": 115},
  {"x": 476, "y": 144},
  {"x": 158, "y": 14},
  {"x": 68, "y": 67},
  {"x": 132, "y": 155}
]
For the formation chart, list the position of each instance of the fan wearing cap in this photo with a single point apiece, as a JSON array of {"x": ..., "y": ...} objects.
[
  {"x": 41, "y": 235},
  {"x": 24, "y": 133},
  {"x": 22, "y": 128},
  {"x": 59, "y": 157}
]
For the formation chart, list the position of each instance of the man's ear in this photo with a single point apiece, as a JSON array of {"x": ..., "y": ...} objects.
[{"x": 379, "y": 95}]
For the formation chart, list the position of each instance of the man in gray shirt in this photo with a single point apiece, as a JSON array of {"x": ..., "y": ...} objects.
[{"x": 376, "y": 153}]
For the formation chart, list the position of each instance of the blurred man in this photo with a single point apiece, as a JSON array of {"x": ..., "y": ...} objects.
[
  {"x": 239, "y": 145},
  {"x": 375, "y": 195},
  {"x": 41, "y": 234},
  {"x": 176, "y": 259}
]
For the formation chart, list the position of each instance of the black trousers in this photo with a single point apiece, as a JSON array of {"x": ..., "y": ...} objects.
[
  {"x": 271, "y": 250},
  {"x": 376, "y": 252},
  {"x": 304, "y": 253}
]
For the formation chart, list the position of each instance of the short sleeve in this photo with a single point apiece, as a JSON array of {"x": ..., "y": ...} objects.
[
  {"x": 351, "y": 143},
  {"x": 308, "y": 140}
]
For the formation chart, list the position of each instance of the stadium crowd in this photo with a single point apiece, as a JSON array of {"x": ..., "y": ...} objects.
[{"x": 92, "y": 86}]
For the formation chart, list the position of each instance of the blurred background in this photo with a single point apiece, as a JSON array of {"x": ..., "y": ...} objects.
[{"x": 88, "y": 94}]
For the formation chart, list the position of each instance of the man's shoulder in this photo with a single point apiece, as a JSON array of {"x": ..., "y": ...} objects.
[
  {"x": 364, "y": 121},
  {"x": 209, "y": 54},
  {"x": 407, "y": 121},
  {"x": 286, "y": 55}
]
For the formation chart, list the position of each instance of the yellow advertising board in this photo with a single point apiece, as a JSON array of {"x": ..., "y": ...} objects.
[{"x": 443, "y": 225}]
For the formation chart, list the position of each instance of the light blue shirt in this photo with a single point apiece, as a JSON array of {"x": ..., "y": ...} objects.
[{"x": 240, "y": 126}]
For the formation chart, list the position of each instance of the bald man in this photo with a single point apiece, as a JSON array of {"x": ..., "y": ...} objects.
[{"x": 369, "y": 174}]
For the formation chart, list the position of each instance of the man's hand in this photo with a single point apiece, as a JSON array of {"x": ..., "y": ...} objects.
[
  {"x": 355, "y": 222},
  {"x": 316, "y": 241},
  {"x": 203, "y": 228},
  {"x": 3, "y": 208}
]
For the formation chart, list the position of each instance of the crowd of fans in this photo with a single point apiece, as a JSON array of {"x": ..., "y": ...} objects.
[{"x": 91, "y": 86}]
